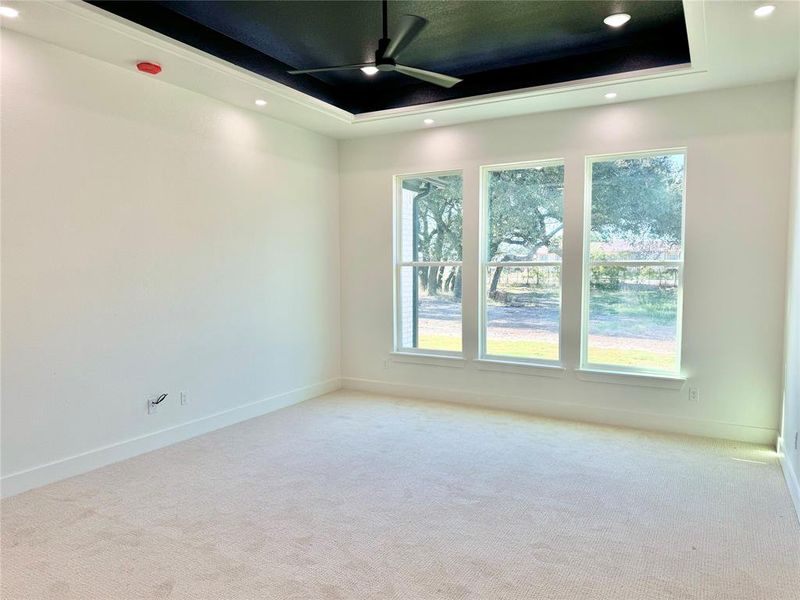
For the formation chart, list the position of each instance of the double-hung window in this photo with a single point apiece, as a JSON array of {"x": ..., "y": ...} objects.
[
  {"x": 633, "y": 262},
  {"x": 428, "y": 254},
  {"x": 522, "y": 233}
]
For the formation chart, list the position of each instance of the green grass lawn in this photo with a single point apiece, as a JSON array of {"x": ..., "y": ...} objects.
[
  {"x": 643, "y": 359},
  {"x": 523, "y": 349},
  {"x": 439, "y": 342},
  {"x": 549, "y": 351}
]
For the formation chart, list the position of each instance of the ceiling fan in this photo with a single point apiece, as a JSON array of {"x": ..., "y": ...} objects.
[{"x": 389, "y": 50}]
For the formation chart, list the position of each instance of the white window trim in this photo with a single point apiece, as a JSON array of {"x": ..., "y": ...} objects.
[
  {"x": 432, "y": 358},
  {"x": 520, "y": 367},
  {"x": 495, "y": 362},
  {"x": 663, "y": 381},
  {"x": 400, "y": 353},
  {"x": 617, "y": 373}
]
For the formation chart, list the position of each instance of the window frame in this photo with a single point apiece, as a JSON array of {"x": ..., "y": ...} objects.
[
  {"x": 398, "y": 264},
  {"x": 586, "y": 268},
  {"x": 484, "y": 264}
]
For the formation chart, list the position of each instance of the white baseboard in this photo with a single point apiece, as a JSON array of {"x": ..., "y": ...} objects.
[
  {"x": 571, "y": 411},
  {"x": 792, "y": 481},
  {"x": 21, "y": 481}
]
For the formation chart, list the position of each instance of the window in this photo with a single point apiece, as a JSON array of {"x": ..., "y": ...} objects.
[
  {"x": 521, "y": 271},
  {"x": 428, "y": 263},
  {"x": 633, "y": 262}
]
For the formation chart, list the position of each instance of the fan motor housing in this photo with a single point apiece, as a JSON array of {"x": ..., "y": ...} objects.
[{"x": 381, "y": 63}]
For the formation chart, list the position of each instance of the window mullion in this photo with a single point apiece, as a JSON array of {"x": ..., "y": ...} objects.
[
  {"x": 636, "y": 263},
  {"x": 512, "y": 263},
  {"x": 422, "y": 264}
]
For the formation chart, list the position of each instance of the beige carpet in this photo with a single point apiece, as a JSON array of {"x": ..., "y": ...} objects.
[{"x": 353, "y": 496}]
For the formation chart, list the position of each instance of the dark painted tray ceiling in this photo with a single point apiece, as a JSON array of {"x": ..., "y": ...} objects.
[{"x": 495, "y": 46}]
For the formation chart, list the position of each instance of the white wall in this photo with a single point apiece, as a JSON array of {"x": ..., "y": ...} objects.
[
  {"x": 791, "y": 391},
  {"x": 153, "y": 240},
  {"x": 737, "y": 200}
]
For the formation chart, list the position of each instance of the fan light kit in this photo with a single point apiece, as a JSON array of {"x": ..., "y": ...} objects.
[
  {"x": 764, "y": 11},
  {"x": 617, "y": 20},
  {"x": 7, "y": 11},
  {"x": 409, "y": 27}
]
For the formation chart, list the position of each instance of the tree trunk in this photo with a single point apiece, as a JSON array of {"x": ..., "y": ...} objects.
[
  {"x": 448, "y": 283},
  {"x": 433, "y": 281},
  {"x": 422, "y": 274},
  {"x": 495, "y": 281}
]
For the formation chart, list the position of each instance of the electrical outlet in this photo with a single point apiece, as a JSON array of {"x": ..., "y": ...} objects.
[
  {"x": 694, "y": 395},
  {"x": 153, "y": 403},
  {"x": 385, "y": 363},
  {"x": 184, "y": 398}
]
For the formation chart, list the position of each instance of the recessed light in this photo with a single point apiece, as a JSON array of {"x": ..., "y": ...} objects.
[
  {"x": 261, "y": 102},
  {"x": 369, "y": 70},
  {"x": 429, "y": 121},
  {"x": 617, "y": 20},
  {"x": 764, "y": 11},
  {"x": 7, "y": 11},
  {"x": 610, "y": 95}
]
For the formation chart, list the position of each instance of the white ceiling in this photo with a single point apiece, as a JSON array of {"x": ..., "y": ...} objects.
[{"x": 728, "y": 44}]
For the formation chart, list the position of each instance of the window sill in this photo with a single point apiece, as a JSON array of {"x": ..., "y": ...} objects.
[
  {"x": 433, "y": 360},
  {"x": 520, "y": 367},
  {"x": 667, "y": 382}
]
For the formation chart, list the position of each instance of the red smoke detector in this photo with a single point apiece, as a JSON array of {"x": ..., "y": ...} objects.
[{"x": 148, "y": 67}]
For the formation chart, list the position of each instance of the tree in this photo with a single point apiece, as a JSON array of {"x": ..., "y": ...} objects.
[
  {"x": 438, "y": 224},
  {"x": 638, "y": 200},
  {"x": 637, "y": 211},
  {"x": 526, "y": 214}
]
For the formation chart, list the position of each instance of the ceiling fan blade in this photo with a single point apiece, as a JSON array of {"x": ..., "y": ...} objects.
[
  {"x": 429, "y": 76},
  {"x": 409, "y": 27},
  {"x": 339, "y": 68}
]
